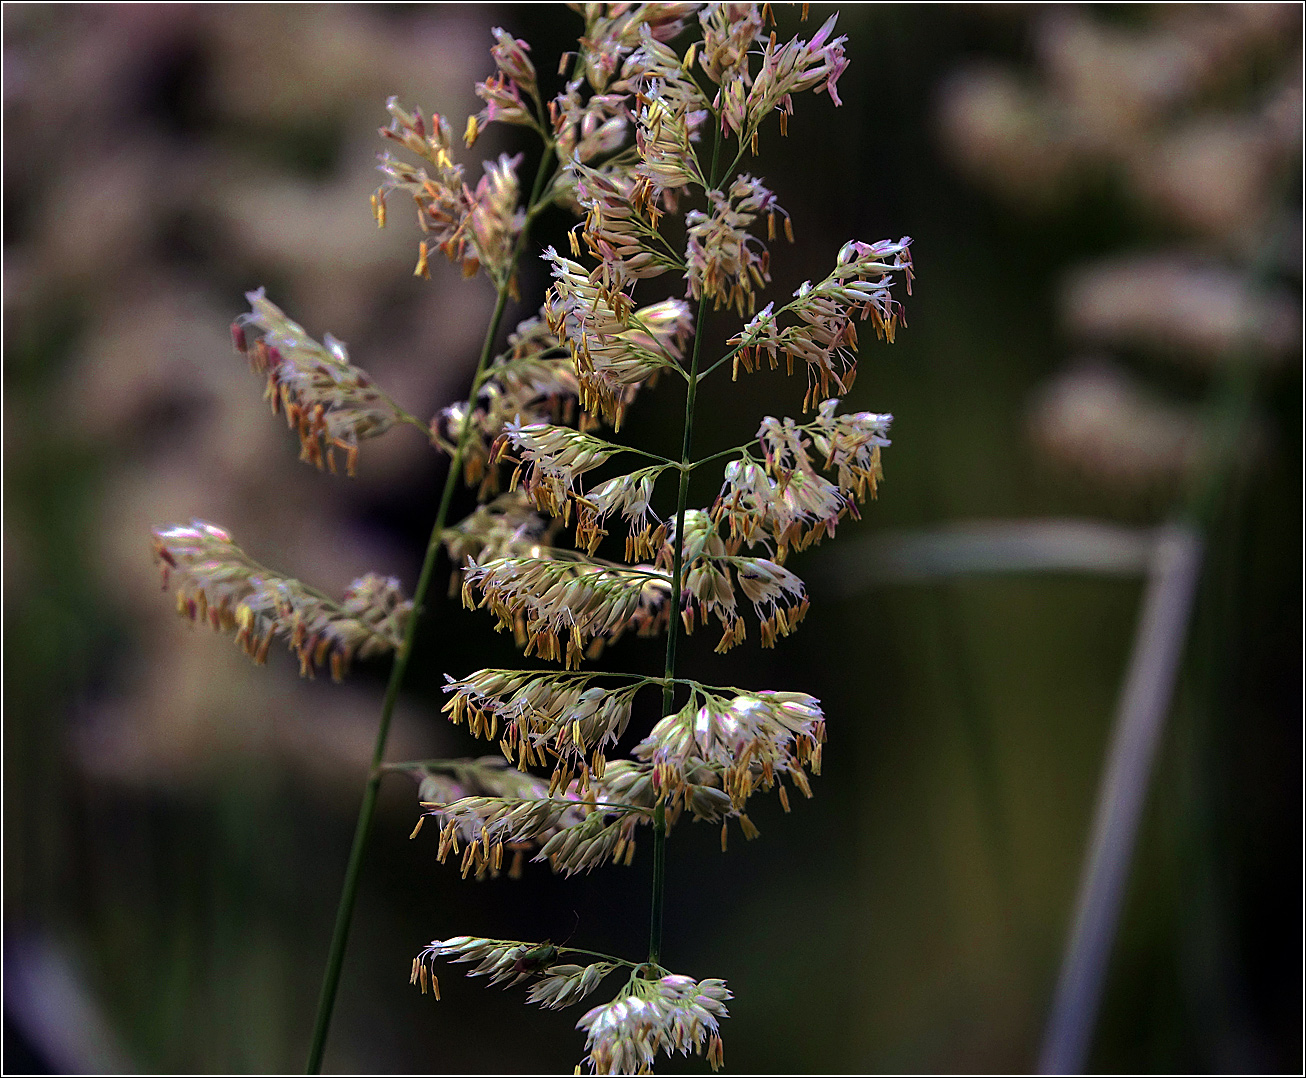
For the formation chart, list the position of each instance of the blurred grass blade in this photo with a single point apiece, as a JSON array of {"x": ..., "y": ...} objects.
[
  {"x": 1139, "y": 720},
  {"x": 997, "y": 547}
]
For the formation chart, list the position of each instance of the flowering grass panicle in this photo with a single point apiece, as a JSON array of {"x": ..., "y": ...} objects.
[{"x": 642, "y": 139}]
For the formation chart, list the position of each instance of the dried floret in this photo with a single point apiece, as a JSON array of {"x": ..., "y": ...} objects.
[
  {"x": 328, "y": 402},
  {"x": 218, "y": 582},
  {"x": 585, "y": 128}
]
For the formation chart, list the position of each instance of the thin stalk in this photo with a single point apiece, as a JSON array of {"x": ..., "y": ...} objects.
[
  {"x": 673, "y": 625},
  {"x": 353, "y": 871}
]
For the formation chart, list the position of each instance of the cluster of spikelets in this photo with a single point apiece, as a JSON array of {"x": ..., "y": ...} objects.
[
  {"x": 218, "y": 583},
  {"x": 626, "y": 131},
  {"x": 708, "y": 758},
  {"x": 652, "y": 1014}
]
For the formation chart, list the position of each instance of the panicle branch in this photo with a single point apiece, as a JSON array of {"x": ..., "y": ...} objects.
[
  {"x": 613, "y": 31},
  {"x": 566, "y": 715},
  {"x": 725, "y": 262},
  {"x": 218, "y": 582},
  {"x": 503, "y": 91},
  {"x": 711, "y": 573},
  {"x": 825, "y": 337},
  {"x": 476, "y": 228},
  {"x": 753, "y": 740},
  {"x": 619, "y": 229},
  {"x": 631, "y": 495},
  {"x": 534, "y": 380},
  {"x": 785, "y": 70},
  {"x": 510, "y": 962},
  {"x": 328, "y": 402},
  {"x": 550, "y": 461},
  {"x": 560, "y": 606},
  {"x": 786, "y": 499},
  {"x": 612, "y": 346}
]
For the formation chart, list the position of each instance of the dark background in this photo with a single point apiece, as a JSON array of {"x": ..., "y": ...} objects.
[{"x": 177, "y": 821}]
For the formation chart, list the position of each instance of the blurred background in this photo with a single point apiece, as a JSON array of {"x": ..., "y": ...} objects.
[{"x": 1106, "y": 208}]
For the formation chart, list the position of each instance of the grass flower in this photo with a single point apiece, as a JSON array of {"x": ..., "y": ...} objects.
[
  {"x": 327, "y": 401},
  {"x": 219, "y": 583},
  {"x": 670, "y": 1014}
]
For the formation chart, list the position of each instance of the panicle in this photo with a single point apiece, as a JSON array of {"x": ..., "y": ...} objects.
[
  {"x": 825, "y": 337},
  {"x": 670, "y": 1014},
  {"x": 558, "y": 606},
  {"x": 724, "y": 261},
  {"x": 328, "y": 402},
  {"x": 785, "y": 70},
  {"x": 219, "y": 583}
]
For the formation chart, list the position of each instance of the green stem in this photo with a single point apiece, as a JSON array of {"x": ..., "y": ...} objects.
[
  {"x": 742, "y": 450},
  {"x": 349, "y": 892},
  {"x": 673, "y": 625}
]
